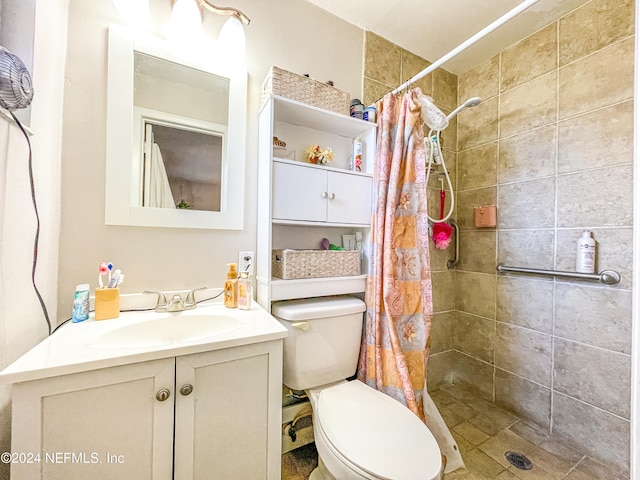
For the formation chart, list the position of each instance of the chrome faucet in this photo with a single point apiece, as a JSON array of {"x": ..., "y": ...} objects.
[{"x": 176, "y": 304}]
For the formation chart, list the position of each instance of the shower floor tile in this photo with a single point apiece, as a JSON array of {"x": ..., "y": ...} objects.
[{"x": 484, "y": 433}]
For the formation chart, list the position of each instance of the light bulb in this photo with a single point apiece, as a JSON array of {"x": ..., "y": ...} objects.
[
  {"x": 133, "y": 9},
  {"x": 232, "y": 40},
  {"x": 186, "y": 21}
]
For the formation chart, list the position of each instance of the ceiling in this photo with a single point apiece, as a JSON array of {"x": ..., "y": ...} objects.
[{"x": 432, "y": 28}]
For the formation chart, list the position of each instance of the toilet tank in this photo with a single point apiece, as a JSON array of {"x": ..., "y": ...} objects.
[{"x": 324, "y": 339}]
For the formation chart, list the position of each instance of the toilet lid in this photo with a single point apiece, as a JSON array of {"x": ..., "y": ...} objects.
[{"x": 377, "y": 433}]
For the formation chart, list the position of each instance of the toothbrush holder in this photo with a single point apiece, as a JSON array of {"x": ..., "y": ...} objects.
[{"x": 107, "y": 303}]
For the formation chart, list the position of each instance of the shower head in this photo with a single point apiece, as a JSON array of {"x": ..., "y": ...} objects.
[{"x": 472, "y": 102}]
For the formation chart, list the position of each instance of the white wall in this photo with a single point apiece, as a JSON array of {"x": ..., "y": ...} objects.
[
  {"x": 22, "y": 323},
  {"x": 291, "y": 34}
]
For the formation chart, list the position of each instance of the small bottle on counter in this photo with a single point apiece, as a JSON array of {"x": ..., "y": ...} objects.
[
  {"x": 231, "y": 286},
  {"x": 245, "y": 291},
  {"x": 80, "y": 310},
  {"x": 586, "y": 253}
]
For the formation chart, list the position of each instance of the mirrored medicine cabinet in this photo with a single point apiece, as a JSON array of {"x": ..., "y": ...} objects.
[{"x": 176, "y": 131}]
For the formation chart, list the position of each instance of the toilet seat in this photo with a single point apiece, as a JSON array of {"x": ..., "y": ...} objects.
[{"x": 373, "y": 433}]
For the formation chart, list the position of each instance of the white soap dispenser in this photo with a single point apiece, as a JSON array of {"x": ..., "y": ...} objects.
[
  {"x": 586, "y": 253},
  {"x": 245, "y": 291}
]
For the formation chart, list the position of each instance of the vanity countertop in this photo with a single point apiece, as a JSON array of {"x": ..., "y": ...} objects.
[{"x": 74, "y": 347}]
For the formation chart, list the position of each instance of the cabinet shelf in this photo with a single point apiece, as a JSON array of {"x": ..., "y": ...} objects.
[
  {"x": 298, "y": 113},
  {"x": 322, "y": 167},
  {"x": 306, "y": 223},
  {"x": 313, "y": 287}
]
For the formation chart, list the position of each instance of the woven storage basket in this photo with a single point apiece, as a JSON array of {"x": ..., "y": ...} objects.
[
  {"x": 288, "y": 264},
  {"x": 305, "y": 90}
]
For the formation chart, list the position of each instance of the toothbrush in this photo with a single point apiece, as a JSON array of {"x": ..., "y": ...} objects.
[
  {"x": 110, "y": 267},
  {"x": 113, "y": 282},
  {"x": 120, "y": 279},
  {"x": 104, "y": 268}
]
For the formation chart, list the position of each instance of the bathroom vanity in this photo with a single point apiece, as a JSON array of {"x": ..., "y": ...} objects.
[{"x": 102, "y": 400}]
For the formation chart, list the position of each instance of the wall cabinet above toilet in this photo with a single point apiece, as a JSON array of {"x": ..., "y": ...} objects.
[
  {"x": 308, "y": 193},
  {"x": 300, "y": 203}
]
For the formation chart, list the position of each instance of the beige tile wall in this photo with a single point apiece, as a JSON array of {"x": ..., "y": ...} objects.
[
  {"x": 551, "y": 145},
  {"x": 386, "y": 66}
]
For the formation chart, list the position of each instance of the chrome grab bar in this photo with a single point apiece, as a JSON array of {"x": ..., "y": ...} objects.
[
  {"x": 454, "y": 261},
  {"x": 608, "y": 277}
]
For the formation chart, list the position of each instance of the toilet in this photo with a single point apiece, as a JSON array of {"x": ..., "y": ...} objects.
[{"x": 360, "y": 433}]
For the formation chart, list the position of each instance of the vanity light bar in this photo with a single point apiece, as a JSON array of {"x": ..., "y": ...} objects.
[
  {"x": 225, "y": 11},
  {"x": 230, "y": 11}
]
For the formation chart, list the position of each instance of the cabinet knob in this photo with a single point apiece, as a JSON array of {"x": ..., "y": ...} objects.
[
  {"x": 186, "y": 389},
  {"x": 325, "y": 194},
  {"x": 332, "y": 196},
  {"x": 163, "y": 394}
]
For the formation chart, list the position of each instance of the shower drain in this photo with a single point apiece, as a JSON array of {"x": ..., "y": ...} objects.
[{"x": 518, "y": 460}]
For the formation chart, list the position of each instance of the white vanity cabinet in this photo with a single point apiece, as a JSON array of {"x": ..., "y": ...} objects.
[
  {"x": 210, "y": 415},
  {"x": 310, "y": 193},
  {"x": 300, "y": 203},
  {"x": 229, "y": 427}
]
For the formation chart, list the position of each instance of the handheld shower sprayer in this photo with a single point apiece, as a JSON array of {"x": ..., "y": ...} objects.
[
  {"x": 472, "y": 102},
  {"x": 435, "y": 153}
]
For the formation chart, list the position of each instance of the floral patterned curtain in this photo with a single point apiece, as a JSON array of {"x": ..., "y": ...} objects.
[{"x": 395, "y": 346}]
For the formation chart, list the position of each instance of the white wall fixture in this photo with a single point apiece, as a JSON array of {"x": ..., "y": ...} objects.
[{"x": 245, "y": 262}]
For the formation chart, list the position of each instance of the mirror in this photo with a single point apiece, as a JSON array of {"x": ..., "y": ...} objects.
[
  {"x": 180, "y": 128},
  {"x": 175, "y": 136}
]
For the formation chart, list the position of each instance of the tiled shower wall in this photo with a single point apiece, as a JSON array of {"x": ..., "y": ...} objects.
[{"x": 552, "y": 146}]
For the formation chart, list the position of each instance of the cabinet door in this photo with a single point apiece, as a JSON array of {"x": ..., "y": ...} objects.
[
  {"x": 228, "y": 425},
  {"x": 349, "y": 199},
  {"x": 103, "y": 424},
  {"x": 299, "y": 193}
]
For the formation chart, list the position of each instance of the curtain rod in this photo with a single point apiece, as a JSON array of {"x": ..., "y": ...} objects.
[{"x": 463, "y": 46}]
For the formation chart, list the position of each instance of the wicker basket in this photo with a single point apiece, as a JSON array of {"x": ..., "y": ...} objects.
[
  {"x": 288, "y": 264},
  {"x": 304, "y": 89}
]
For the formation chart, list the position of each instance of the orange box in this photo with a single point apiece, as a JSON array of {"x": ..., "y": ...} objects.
[
  {"x": 107, "y": 303},
  {"x": 485, "y": 216}
]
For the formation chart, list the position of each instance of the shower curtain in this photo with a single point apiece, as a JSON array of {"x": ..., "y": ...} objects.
[
  {"x": 395, "y": 344},
  {"x": 159, "y": 189}
]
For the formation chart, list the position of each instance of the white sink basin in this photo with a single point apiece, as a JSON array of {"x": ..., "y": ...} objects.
[{"x": 167, "y": 329}]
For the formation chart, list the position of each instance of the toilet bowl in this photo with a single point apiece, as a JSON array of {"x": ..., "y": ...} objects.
[{"x": 360, "y": 433}]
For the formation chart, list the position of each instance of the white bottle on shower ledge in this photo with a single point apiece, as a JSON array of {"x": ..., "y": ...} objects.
[{"x": 586, "y": 253}]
